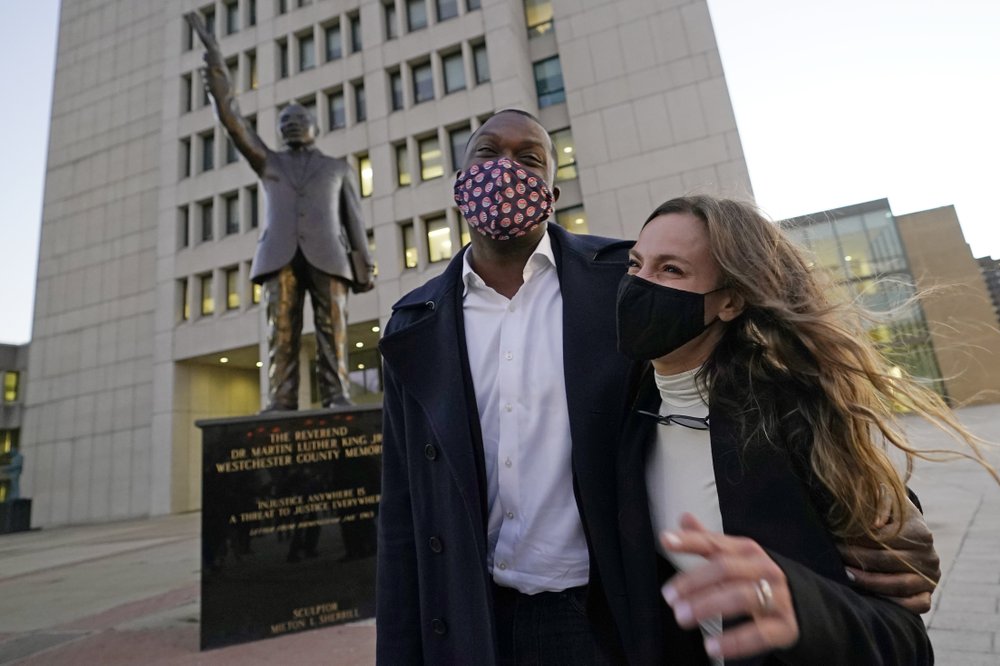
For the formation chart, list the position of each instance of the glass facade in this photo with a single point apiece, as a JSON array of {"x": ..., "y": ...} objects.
[{"x": 861, "y": 248}]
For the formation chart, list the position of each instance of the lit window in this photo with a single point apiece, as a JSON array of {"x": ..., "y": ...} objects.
[
  {"x": 402, "y": 165},
  {"x": 185, "y": 305},
  {"x": 207, "y": 300},
  {"x": 355, "y": 33},
  {"x": 423, "y": 83},
  {"x": 573, "y": 219},
  {"x": 396, "y": 89},
  {"x": 416, "y": 14},
  {"x": 183, "y": 227},
  {"x": 438, "y": 239},
  {"x": 255, "y": 292},
  {"x": 409, "y": 246},
  {"x": 391, "y": 20},
  {"x": 454, "y": 72},
  {"x": 538, "y": 16},
  {"x": 446, "y": 9},
  {"x": 252, "y": 196},
  {"x": 282, "y": 59},
  {"x": 206, "y": 220},
  {"x": 482, "y": 63},
  {"x": 252, "y": 80},
  {"x": 459, "y": 139},
  {"x": 307, "y": 52},
  {"x": 334, "y": 42},
  {"x": 232, "y": 288},
  {"x": 208, "y": 151},
  {"x": 431, "y": 164},
  {"x": 463, "y": 230},
  {"x": 232, "y": 17},
  {"x": 9, "y": 440},
  {"x": 360, "y": 103},
  {"x": 365, "y": 174},
  {"x": 11, "y": 386},
  {"x": 565, "y": 154},
  {"x": 338, "y": 111},
  {"x": 232, "y": 214},
  {"x": 549, "y": 82}
]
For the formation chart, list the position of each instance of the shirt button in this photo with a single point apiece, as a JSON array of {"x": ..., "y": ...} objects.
[
  {"x": 435, "y": 544},
  {"x": 507, "y": 462},
  {"x": 430, "y": 452},
  {"x": 510, "y": 514},
  {"x": 511, "y": 307},
  {"x": 508, "y": 356},
  {"x": 502, "y": 566},
  {"x": 509, "y": 407}
]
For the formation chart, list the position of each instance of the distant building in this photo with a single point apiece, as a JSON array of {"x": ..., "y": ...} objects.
[
  {"x": 991, "y": 273},
  {"x": 145, "y": 319},
  {"x": 13, "y": 372},
  {"x": 948, "y": 339}
]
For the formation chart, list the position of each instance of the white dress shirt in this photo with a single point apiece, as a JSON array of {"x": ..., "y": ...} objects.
[{"x": 535, "y": 539}]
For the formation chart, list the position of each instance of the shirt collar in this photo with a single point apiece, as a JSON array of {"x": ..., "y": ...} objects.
[{"x": 541, "y": 258}]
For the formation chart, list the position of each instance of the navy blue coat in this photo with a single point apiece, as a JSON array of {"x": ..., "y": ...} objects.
[
  {"x": 766, "y": 493},
  {"x": 434, "y": 601}
]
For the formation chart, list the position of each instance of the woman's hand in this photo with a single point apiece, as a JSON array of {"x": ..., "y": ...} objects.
[{"x": 739, "y": 580}]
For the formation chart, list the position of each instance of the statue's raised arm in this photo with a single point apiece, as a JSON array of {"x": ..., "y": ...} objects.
[{"x": 215, "y": 76}]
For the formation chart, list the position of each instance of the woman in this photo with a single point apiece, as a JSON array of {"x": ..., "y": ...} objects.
[{"x": 758, "y": 432}]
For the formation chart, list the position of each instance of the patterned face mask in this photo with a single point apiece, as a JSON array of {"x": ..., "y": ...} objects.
[{"x": 501, "y": 199}]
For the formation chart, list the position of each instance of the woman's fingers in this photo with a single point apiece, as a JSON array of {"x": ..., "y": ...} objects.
[{"x": 752, "y": 638}]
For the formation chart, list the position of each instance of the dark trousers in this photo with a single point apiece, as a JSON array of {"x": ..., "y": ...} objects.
[
  {"x": 284, "y": 293},
  {"x": 549, "y": 628}
]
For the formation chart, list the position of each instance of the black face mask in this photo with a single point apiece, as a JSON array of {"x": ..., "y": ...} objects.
[{"x": 654, "y": 320}]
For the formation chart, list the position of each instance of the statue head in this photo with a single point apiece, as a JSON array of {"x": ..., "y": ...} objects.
[{"x": 297, "y": 126}]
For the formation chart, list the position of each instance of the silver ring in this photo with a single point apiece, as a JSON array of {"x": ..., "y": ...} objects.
[{"x": 765, "y": 596}]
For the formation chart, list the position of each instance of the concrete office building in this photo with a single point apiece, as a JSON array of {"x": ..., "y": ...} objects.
[
  {"x": 949, "y": 338},
  {"x": 145, "y": 319}
]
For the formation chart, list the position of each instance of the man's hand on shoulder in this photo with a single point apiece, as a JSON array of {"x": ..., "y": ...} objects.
[{"x": 903, "y": 568}]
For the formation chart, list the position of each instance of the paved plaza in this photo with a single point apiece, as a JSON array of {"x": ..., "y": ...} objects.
[{"x": 127, "y": 593}]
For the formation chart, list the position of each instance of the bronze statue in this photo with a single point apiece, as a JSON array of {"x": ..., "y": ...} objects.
[{"x": 312, "y": 238}]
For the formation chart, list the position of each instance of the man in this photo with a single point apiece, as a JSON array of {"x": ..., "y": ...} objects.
[
  {"x": 504, "y": 396},
  {"x": 312, "y": 224}
]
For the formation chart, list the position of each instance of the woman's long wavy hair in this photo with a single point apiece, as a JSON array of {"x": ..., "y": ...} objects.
[{"x": 793, "y": 340}]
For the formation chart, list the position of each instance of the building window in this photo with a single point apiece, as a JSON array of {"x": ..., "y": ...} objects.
[
  {"x": 232, "y": 288},
  {"x": 334, "y": 42},
  {"x": 473, "y": 5},
  {"x": 454, "y": 72},
  {"x": 391, "y": 20},
  {"x": 251, "y": 13},
  {"x": 233, "y": 67},
  {"x": 208, "y": 13},
  {"x": 255, "y": 292},
  {"x": 309, "y": 104},
  {"x": 253, "y": 82},
  {"x": 409, "y": 245},
  {"x": 463, "y": 229},
  {"x": 184, "y": 306},
  {"x": 186, "y": 93},
  {"x": 402, "y": 165},
  {"x": 307, "y": 52},
  {"x": 231, "y": 155},
  {"x": 423, "y": 83},
  {"x": 481, "y": 62},
  {"x": 11, "y": 386},
  {"x": 416, "y": 14},
  {"x": 185, "y": 158},
  {"x": 364, "y": 361},
  {"x": 549, "y": 82},
  {"x": 206, "y": 220},
  {"x": 356, "y": 45},
  {"x": 282, "y": 6},
  {"x": 538, "y": 16},
  {"x": 207, "y": 300},
  {"x": 337, "y": 111},
  {"x": 208, "y": 151},
  {"x": 396, "y": 89},
  {"x": 232, "y": 214},
  {"x": 360, "y": 103},
  {"x": 183, "y": 227},
  {"x": 365, "y": 174},
  {"x": 446, "y": 9},
  {"x": 565, "y": 154},
  {"x": 232, "y": 17},
  {"x": 459, "y": 139},
  {"x": 252, "y": 198},
  {"x": 573, "y": 219},
  {"x": 282, "y": 59},
  {"x": 431, "y": 165},
  {"x": 438, "y": 239},
  {"x": 188, "y": 37}
]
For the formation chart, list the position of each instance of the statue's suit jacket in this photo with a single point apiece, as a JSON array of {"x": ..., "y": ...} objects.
[{"x": 311, "y": 203}]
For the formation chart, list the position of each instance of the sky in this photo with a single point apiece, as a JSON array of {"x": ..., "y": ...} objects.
[{"x": 836, "y": 103}]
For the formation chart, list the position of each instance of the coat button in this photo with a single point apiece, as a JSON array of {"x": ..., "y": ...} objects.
[
  {"x": 435, "y": 544},
  {"x": 439, "y": 627},
  {"x": 430, "y": 452}
]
